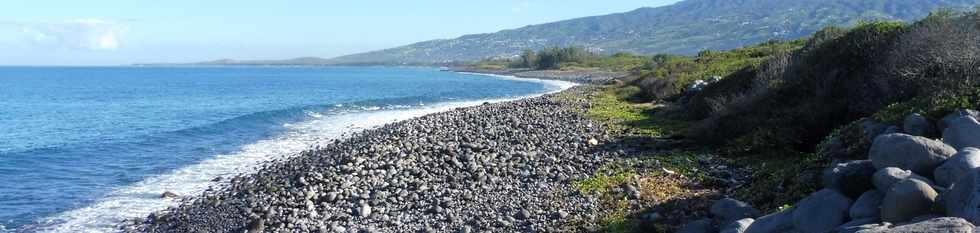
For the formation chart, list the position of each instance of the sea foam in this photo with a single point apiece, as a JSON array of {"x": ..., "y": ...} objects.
[{"x": 140, "y": 199}]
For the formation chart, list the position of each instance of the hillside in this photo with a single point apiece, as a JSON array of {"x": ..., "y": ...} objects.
[{"x": 683, "y": 28}]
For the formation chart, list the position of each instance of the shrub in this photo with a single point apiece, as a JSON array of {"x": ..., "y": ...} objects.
[
  {"x": 793, "y": 100},
  {"x": 940, "y": 53},
  {"x": 659, "y": 88},
  {"x": 683, "y": 71}
]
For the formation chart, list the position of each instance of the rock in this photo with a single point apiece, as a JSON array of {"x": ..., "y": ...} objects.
[
  {"x": 868, "y": 205},
  {"x": 652, "y": 217},
  {"x": 917, "y": 125},
  {"x": 365, "y": 210},
  {"x": 923, "y": 218},
  {"x": 963, "y": 199},
  {"x": 885, "y": 178},
  {"x": 773, "y": 223},
  {"x": 729, "y": 210},
  {"x": 562, "y": 214},
  {"x": 256, "y": 226},
  {"x": 738, "y": 226},
  {"x": 961, "y": 163},
  {"x": 944, "y": 225},
  {"x": 523, "y": 214},
  {"x": 962, "y": 132},
  {"x": 339, "y": 229},
  {"x": 918, "y": 154},
  {"x": 850, "y": 178},
  {"x": 861, "y": 225},
  {"x": 907, "y": 199},
  {"x": 168, "y": 194},
  {"x": 699, "y": 226},
  {"x": 593, "y": 142},
  {"x": 632, "y": 192},
  {"x": 947, "y": 120},
  {"x": 821, "y": 212}
]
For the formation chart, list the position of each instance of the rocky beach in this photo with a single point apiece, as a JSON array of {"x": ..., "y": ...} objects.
[{"x": 502, "y": 167}]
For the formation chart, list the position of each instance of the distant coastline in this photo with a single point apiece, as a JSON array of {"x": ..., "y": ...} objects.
[{"x": 576, "y": 76}]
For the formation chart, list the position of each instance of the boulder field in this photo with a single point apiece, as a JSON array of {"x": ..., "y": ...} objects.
[{"x": 910, "y": 183}]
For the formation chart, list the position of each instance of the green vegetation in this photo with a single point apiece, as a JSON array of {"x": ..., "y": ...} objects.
[
  {"x": 612, "y": 106},
  {"x": 784, "y": 110},
  {"x": 778, "y": 180},
  {"x": 666, "y": 76},
  {"x": 568, "y": 58}
]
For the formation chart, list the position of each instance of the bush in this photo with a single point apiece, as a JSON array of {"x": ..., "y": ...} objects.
[
  {"x": 683, "y": 71},
  {"x": 658, "y": 88},
  {"x": 941, "y": 53},
  {"x": 793, "y": 100}
]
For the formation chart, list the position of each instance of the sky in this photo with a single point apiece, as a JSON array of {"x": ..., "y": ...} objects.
[{"x": 117, "y": 32}]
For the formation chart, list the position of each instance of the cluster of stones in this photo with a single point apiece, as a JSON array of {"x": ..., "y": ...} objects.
[
  {"x": 503, "y": 167},
  {"x": 910, "y": 183}
]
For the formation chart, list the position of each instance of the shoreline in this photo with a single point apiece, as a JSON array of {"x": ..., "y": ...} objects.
[
  {"x": 558, "y": 86},
  {"x": 142, "y": 198},
  {"x": 330, "y": 198},
  {"x": 596, "y": 77}
]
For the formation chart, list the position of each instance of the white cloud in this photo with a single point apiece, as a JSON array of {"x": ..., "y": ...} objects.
[{"x": 87, "y": 34}]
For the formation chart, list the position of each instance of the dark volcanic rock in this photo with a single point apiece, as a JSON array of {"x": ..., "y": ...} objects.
[
  {"x": 822, "y": 211},
  {"x": 906, "y": 200},
  {"x": 503, "y": 167},
  {"x": 730, "y": 210},
  {"x": 960, "y": 164},
  {"x": 850, "y": 178},
  {"x": 918, "y": 154}
]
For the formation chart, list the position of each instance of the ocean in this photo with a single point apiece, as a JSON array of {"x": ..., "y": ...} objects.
[{"x": 83, "y": 149}]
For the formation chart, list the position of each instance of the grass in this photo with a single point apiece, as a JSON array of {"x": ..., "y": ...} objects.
[
  {"x": 667, "y": 180},
  {"x": 663, "y": 179},
  {"x": 680, "y": 179},
  {"x": 612, "y": 106},
  {"x": 780, "y": 181},
  {"x": 934, "y": 107}
]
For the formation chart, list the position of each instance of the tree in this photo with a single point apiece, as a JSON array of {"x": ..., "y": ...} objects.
[{"x": 529, "y": 59}]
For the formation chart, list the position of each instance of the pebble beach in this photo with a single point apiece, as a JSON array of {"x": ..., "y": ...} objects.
[{"x": 501, "y": 167}]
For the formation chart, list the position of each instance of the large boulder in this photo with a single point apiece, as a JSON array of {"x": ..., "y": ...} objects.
[
  {"x": 738, "y": 226},
  {"x": 850, "y": 178},
  {"x": 699, "y": 226},
  {"x": 963, "y": 199},
  {"x": 861, "y": 225},
  {"x": 821, "y": 212},
  {"x": 729, "y": 210},
  {"x": 961, "y": 163},
  {"x": 962, "y": 132},
  {"x": 946, "y": 121},
  {"x": 906, "y": 200},
  {"x": 778, "y": 222},
  {"x": 936, "y": 225},
  {"x": 918, "y": 154},
  {"x": 918, "y": 125},
  {"x": 868, "y": 205},
  {"x": 885, "y": 178}
]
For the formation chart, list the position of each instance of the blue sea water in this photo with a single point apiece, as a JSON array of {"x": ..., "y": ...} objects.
[{"x": 82, "y": 149}]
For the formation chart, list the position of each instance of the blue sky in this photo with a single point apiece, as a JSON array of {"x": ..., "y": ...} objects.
[{"x": 109, "y": 32}]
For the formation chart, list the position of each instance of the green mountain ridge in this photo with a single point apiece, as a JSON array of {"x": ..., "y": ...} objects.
[{"x": 684, "y": 28}]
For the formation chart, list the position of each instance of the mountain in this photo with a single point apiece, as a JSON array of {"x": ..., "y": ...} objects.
[{"x": 686, "y": 27}]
